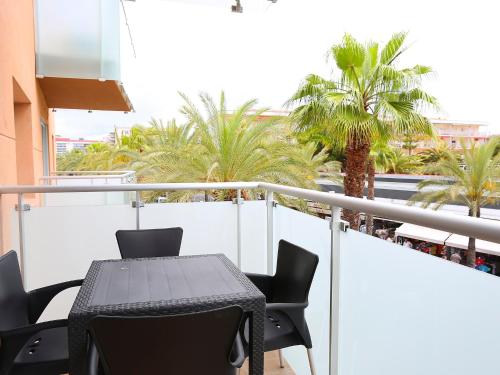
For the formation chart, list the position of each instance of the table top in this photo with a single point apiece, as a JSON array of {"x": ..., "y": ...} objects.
[
  {"x": 131, "y": 283},
  {"x": 158, "y": 279}
]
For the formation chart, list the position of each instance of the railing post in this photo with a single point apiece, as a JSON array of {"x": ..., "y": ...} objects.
[
  {"x": 336, "y": 225},
  {"x": 270, "y": 232},
  {"x": 20, "y": 214},
  {"x": 238, "y": 202},
  {"x": 137, "y": 210}
]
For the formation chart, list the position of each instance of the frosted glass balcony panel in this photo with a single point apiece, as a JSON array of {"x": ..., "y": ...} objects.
[
  {"x": 400, "y": 311},
  {"x": 78, "y": 39},
  {"x": 313, "y": 234},
  {"x": 406, "y": 312}
]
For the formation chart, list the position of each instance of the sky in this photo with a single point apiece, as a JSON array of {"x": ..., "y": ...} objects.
[{"x": 194, "y": 46}]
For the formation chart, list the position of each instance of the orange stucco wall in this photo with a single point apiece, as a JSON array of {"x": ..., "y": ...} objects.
[{"x": 22, "y": 108}]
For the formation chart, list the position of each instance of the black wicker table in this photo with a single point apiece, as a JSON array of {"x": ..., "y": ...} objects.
[{"x": 164, "y": 286}]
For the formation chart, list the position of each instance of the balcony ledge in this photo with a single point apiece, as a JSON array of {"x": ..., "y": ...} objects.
[{"x": 88, "y": 94}]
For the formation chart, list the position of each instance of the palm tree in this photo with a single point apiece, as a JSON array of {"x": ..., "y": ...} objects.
[
  {"x": 399, "y": 163},
  {"x": 98, "y": 157},
  {"x": 472, "y": 181},
  {"x": 136, "y": 141},
  {"x": 377, "y": 159},
  {"x": 370, "y": 96},
  {"x": 439, "y": 151},
  {"x": 226, "y": 146},
  {"x": 386, "y": 159},
  {"x": 70, "y": 161}
]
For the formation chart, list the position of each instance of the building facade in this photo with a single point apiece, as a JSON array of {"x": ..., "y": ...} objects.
[
  {"x": 47, "y": 66},
  {"x": 453, "y": 133},
  {"x": 64, "y": 145},
  {"x": 456, "y": 132}
]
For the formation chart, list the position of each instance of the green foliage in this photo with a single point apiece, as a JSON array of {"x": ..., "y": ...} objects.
[
  {"x": 410, "y": 142},
  {"x": 225, "y": 146},
  {"x": 400, "y": 163},
  {"x": 370, "y": 97},
  {"x": 436, "y": 153},
  {"x": 214, "y": 145},
  {"x": 70, "y": 161},
  {"x": 389, "y": 159},
  {"x": 97, "y": 156},
  {"x": 473, "y": 180}
]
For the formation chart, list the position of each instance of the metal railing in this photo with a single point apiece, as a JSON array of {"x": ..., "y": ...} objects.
[
  {"x": 104, "y": 176},
  {"x": 473, "y": 227}
]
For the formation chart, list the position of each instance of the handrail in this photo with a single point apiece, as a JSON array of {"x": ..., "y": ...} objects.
[
  {"x": 91, "y": 174},
  {"x": 16, "y": 189},
  {"x": 124, "y": 172},
  {"x": 474, "y": 227},
  {"x": 468, "y": 226},
  {"x": 86, "y": 177}
]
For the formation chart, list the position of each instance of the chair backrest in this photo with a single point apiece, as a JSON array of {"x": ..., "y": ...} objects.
[
  {"x": 189, "y": 344},
  {"x": 149, "y": 243},
  {"x": 13, "y": 298},
  {"x": 295, "y": 270}
]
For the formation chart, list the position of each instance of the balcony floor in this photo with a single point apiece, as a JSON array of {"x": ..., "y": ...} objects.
[{"x": 271, "y": 366}]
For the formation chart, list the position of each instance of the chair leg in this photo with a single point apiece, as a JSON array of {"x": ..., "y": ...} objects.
[
  {"x": 311, "y": 362},
  {"x": 282, "y": 362}
]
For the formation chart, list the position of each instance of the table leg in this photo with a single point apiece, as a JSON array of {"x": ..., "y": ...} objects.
[
  {"x": 77, "y": 345},
  {"x": 256, "y": 332}
]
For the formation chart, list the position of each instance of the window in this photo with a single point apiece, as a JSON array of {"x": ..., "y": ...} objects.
[{"x": 45, "y": 149}]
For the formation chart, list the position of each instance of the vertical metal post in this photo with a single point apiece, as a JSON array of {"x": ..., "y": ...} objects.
[
  {"x": 137, "y": 210},
  {"x": 238, "y": 226},
  {"x": 20, "y": 215},
  {"x": 270, "y": 232},
  {"x": 335, "y": 229}
]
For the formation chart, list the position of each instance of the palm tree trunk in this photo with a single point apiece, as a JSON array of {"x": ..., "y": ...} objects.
[
  {"x": 354, "y": 180},
  {"x": 471, "y": 248},
  {"x": 371, "y": 192},
  {"x": 471, "y": 253}
]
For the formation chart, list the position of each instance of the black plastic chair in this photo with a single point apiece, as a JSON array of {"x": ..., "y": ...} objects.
[
  {"x": 28, "y": 348},
  {"x": 149, "y": 243},
  {"x": 189, "y": 344},
  {"x": 286, "y": 300}
]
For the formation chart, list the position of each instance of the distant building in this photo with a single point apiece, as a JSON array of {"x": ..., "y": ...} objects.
[
  {"x": 453, "y": 133},
  {"x": 64, "y": 145},
  {"x": 119, "y": 132}
]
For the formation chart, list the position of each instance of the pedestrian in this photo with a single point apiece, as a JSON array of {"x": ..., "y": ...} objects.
[
  {"x": 408, "y": 244},
  {"x": 456, "y": 258}
]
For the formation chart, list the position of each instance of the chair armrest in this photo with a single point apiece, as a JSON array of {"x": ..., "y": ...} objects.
[
  {"x": 30, "y": 330},
  {"x": 237, "y": 357},
  {"x": 296, "y": 313},
  {"x": 263, "y": 283},
  {"x": 40, "y": 298},
  {"x": 285, "y": 307},
  {"x": 12, "y": 341}
]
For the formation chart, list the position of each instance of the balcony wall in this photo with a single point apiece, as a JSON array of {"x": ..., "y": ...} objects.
[
  {"x": 400, "y": 311},
  {"x": 78, "y": 40},
  {"x": 78, "y": 54}
]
